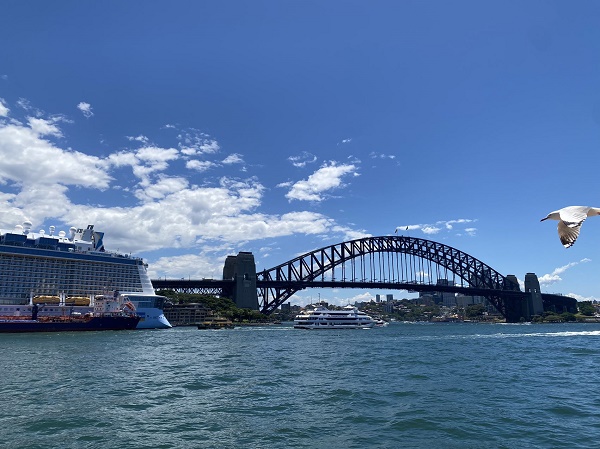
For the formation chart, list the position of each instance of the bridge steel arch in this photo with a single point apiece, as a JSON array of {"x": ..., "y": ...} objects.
[{"x": 393, "y": 261}]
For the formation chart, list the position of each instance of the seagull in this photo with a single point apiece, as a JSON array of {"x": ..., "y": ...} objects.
[{"x": 570, "y": 219}]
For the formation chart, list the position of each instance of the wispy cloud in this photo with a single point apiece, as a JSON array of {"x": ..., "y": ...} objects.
[
  {"x": 439, "y": 226},
  {"x": 303, "y": 159},
  {"x": 374, "y": 155},
  {"x": 194, "y": 142},
  {"x": 582, "y": 298},
  {"x": 139, "y": 138},
  {"x": 554, "y": 277},
  {"x": 86, "y": 109}
]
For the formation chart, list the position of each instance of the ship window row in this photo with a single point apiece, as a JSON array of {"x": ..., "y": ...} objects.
[{"x": 25, "y": 277}]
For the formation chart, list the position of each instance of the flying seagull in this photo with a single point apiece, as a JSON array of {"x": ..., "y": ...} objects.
[{"x": 569, "y": 221}]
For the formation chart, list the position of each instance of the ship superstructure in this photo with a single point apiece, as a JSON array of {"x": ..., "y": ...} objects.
[
  {"x": 322, "y": 318},
  {"x": 69, "y": 268}
]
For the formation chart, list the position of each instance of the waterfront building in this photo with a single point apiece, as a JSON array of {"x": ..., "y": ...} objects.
[{"x": 186, "y": 314}]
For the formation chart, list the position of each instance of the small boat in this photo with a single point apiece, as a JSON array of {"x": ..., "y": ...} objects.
[
  {"x": 78, "y": 301},
  {"x": 322, "y": 318},
  {"x": 216, "y": 323},
  {"x": 381, "y": 323},
  {"x": 46, "y": 299}
]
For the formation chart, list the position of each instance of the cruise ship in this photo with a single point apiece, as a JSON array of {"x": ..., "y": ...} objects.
[
  {"x": 64, "y": 272},
  {"x": 322, "y": 318}
]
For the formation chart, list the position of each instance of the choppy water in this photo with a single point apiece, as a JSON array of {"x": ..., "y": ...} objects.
[{"x": 407, "y": 385}]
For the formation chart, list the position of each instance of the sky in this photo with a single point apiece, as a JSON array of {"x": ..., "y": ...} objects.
[{"x": 188, "y": 131}]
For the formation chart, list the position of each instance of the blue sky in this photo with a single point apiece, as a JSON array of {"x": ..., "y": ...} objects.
[{"x": 191, "y": 130}]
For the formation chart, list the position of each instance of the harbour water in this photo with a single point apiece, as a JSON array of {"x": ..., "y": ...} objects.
[{"x": 406, "y": 385}]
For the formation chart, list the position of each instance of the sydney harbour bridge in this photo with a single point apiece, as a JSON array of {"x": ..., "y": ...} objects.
[{"x": 386, "y": 262}]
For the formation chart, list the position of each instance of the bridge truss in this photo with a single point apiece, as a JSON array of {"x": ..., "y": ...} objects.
[{"x": 391, "y": 262}]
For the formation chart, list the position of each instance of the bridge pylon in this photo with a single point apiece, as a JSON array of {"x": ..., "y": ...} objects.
[{"x": 242, "y": 270}]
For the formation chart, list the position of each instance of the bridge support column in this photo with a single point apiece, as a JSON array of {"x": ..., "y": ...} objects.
[
  {"x": 535, "y": 305},
  {"x": 242, "y": 270}
]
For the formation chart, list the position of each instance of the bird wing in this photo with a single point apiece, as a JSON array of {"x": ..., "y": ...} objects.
[
  {"x": 573, "y": 216},
  {"x": 568, "y": 234}
]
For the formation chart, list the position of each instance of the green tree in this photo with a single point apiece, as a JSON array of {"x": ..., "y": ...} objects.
[
  {"x": 474, "y": 311},
  {"x": 224, "y": 307},
  {"x": 586, "y": 308}
]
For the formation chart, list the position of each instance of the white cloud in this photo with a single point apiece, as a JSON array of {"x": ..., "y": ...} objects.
[
  {"x": 430, "y": 230},
  {"x": 43, "y": 127},
  {"x": 157, "y": 154},
  {"x": 86, "y": 109},
  {"x": 199, "y": 165},
  {"x": 193, "y": 143},
  {"x": 554, "y": 277},
  {"x": 194, "y": 266},
  {"x": 150, "y": 160},
  {"x": 233, "y": 159},
  {"x": 3, "y": 109},
  {"x": 139, "y": 138},
  {"x": 41, "y": 162},
  {"x": 164, "y": 186},
  {"x": 194, "y": 216},
  {"x": 326, "y": 178},
  {"x": 159, "y": 210},
  {"x": 471, "y": 231}
]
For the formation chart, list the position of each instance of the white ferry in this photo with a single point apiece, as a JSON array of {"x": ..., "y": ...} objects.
[
  {"x": 322, "y": 318},
  {"x": 66, "y": 272}
]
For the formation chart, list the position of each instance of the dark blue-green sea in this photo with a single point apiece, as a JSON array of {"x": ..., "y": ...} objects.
[{"x": 408, "y": 385}]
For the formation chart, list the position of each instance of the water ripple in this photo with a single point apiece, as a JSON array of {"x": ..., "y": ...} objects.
[{"x": 408, "y": 385}]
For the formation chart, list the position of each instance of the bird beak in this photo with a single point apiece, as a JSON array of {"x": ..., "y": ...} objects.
[{"x": 544, "y": 219}]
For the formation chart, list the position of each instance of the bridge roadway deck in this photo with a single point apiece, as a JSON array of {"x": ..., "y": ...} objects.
[{"x": 212, "y": 284}]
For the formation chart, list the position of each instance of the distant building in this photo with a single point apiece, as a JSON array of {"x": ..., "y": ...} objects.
[
  {"x": 426, "y": 299},
  {"x": 465, "y": 300},
  {"x": 186, "y": 314},
  {"x": 448, "y": 298},
  {"x": 388, "y": 297}
]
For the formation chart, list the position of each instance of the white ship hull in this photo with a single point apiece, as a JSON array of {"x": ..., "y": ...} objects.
[
  {"x": 323, "y": 318},
  {"x": 152, "y": 318},
  {"x": 333, "y": 326}
]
